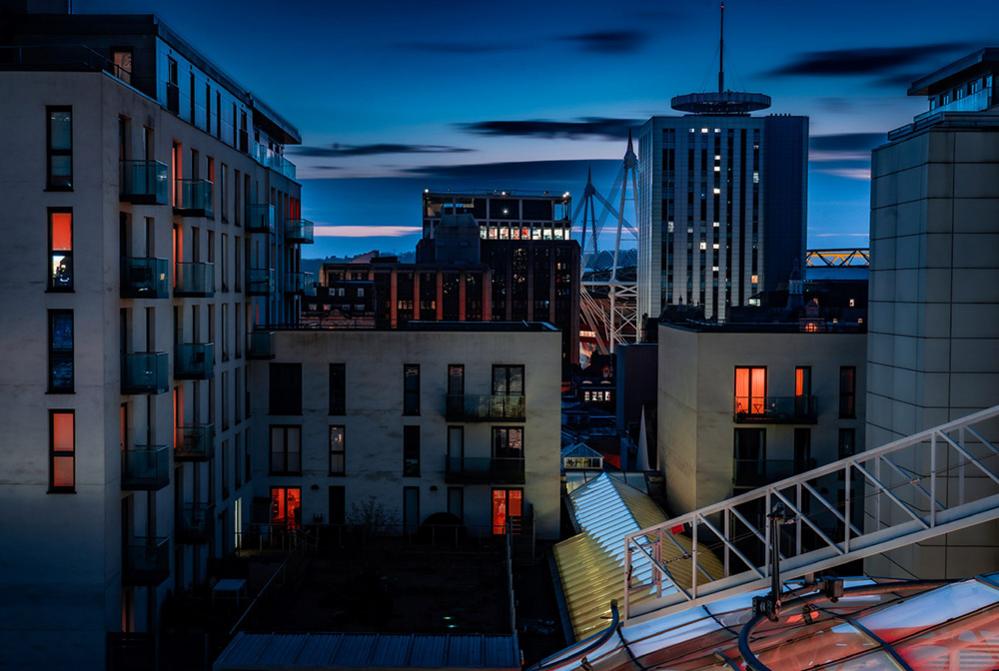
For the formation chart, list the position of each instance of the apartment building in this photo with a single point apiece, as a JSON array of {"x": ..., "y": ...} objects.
[
  {"x": 148, "y": 198},
  {"x": 753, "y": 401},
  {"x": 934, "y": 291},
  {"x": 396, "y": 425}
]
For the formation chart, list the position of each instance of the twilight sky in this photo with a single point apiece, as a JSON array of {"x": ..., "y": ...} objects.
[{"x": 393, "y": 96}]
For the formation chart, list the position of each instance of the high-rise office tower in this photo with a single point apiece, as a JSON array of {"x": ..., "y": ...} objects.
[{"x": 722, "y": 201}]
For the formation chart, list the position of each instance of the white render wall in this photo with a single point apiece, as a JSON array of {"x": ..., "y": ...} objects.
[{"x": 374, "y": 421}]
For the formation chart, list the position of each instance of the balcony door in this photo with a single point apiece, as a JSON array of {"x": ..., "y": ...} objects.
[
  {"x": 508, "y": 380},
  {"x": 507, "y": 507},
  {"x": 456, "y": 379},
  {"x": 750, "y": 390},
  {"x": 286, "y": 506}
]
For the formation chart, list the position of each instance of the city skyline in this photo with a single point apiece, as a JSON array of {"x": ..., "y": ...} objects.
[{"x": 367, "y": 156}]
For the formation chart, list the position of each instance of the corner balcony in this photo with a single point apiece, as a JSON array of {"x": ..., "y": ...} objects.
[
  {"x": 776, "y": 410},
  {"x": 192, "y": 523},
  {"x": 193, "y": 198},
  {"x": 145, "y": 278},
  {"x": 300, "y": 231},
  {"x": 261, "y": 345},
  {"x": 145, "y": 468},
  {"x": 194, "y": 442},
  {"x": 145, "y": 373},
  {"x": 146, "y": 561},
  {"x": 194, "y": 361},
  {"x": 259, "y": 281},
  {"x": 754, "y": 473},
  {"x": 144, "y": 183},
  {"x": 260, "y": 218},
  {"x": 194, "y": 279},
  {"x": 485, "y": 408},
  {"x": 484, "y": 470},
  {"x": 294, "y": 283}
]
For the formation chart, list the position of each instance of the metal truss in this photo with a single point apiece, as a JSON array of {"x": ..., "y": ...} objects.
[
  {"x": 856, "y": 257},
  {"x": 912, "y": 489}
]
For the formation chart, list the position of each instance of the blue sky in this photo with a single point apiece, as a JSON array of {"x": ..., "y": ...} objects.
[{"x": 392, "y": 97}]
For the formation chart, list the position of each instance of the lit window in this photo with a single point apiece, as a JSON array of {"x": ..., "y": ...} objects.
[
  {"x": 60, "y": 250},
  {"x": 703, "y": 246},
  {"x": 669, "y": 226},
  {"x": 122, "y": 59},
  {"x": 754, "y": 279},
  {"x": 286, "y": 506},
  {"x": 714, "y": 245},
  {"x": 750, "y": 390},
  {"x": 756, "y": 177},
  {"x": 717, "y": 130},
  {"x": 704, "y": 130},
  {"x": 714, "y": 224},
  {"x": 62, "y": 451},
  {"x": 716, "y": 190},
  {"x": 714, "y": 269},
  {"x": 717, "y": 168},
  {"x": 852, "y": 303},
  {"x": 508, "y": 507},
  {"x": 61, "y": 351},
  {"x": 338, "y": 455}
]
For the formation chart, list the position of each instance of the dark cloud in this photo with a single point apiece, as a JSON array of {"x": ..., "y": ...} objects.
[
  {"x": 608, "y": 41},
  {"x": 451, "y": 47},
  {"x": 599, "y": 127},
  {"x": 349, "y": 150},
  {"x": 869, "y": 61},
  {"x": 499, "y": 174},
  {"x": 846, "y": 142},
  {"x": 326, "y": 167},
  {"x": 897, "y": 80}
]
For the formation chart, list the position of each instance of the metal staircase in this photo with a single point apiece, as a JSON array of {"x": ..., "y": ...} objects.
[{"x": 912, "y": 489}]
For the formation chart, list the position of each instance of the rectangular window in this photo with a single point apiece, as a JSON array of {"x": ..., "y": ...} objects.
[
  {"x": 456, "y": 443},
  {"x": 59, "y": 148},
  {"x": 410, "y": 509},
  {"x": 847, "y": 392},
  {"x": 338, "y": 450},
  {"x": 285, "y": 389},
  {"x": 750, "y": 445},
  {"x": 338, "y": 389},
  {"x": 60, "y": 269},
  {"x": 750, "y": 390},
  {"x": 507, "y": 510},
  {"x": 61, "y": 352},
  {"x": 456, "y": 502},
  {"x": 802, "y": 450},
  {"x": 508, "y": 442},
  {"x": 286, "y": 506},
  {"x": 122, "y": 59},
  {"x": 338, "y": 505},
  {"x": 224, "y": 458},
  {"x": 456, "y": 379},
  {"x": 224, "y": 193},
  {"x": 286, "y": 450},
  {"x": 411, "y": 451},
  {"x": 508, "y": 380},
  {"x": 847, "y": 443},
  {"x": 411, "y": 389},
  {"x": 62, "y": 451}
]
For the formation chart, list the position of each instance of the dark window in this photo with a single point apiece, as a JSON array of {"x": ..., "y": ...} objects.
[
  {"x": 455, "y": 379},
  {"x": 411, "y": 389},
  {"x": 750, "y": 445},
  {"x": 286, "y": 450},
  {"x": 411, "y": 451},
  {"x": 847, "y": 443},
  {"x": 847, "y": 392},
  {"x": 410, "y": 509},
  {"x": 338, "y": 450},
  {"x": 508, "y": 380},
  {"x": 456, "y": 502},
  {"x": 62, "y": 451},
  {"x": 508, "y": 442},
  {"x": 59, "y": 141},
  {"x": 61, "y": 351},
  {"x": 802, "y": 450},
  {"x": 60, "y": 270},
  {"x": 338, "y": 389},
  {"x": 338, "y": 505},
  {"x": 286, "y": 389}
]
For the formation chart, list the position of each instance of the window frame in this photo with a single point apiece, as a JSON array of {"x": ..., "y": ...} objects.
[
  {"x": 53, "y": 354},
  {"x": 848, "y": 411},
  {"x": 408, "y": 461},
  {"x": 410, "y": 409},
  {"x": 494, "y": 431},
  {"x": 50, "y": 152},
  {"x": 49, "y": 284},
  {"x": 340, "y": 395},
  {"x": 749, "y": 390},
  {"x": 271, "y": 396},
  {"x": 507, "y": 367},
  {"x": 270, "y": 449},
  {"x": 342, "y": 452},
  {"x": 53, "y": 453}
]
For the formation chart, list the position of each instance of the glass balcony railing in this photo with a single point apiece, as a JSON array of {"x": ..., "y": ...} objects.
[
  {"x": 145, "y": 373},
  {"x": 481, "y": 408},
  {"x": 974, "y": 102},
  {"x": 146, "y": 561},
  {"x": 194, "y": 442},
  {"x": 753, "y": 473},
  {"x": 145, "y": 468},
  {"x": 193, "y": 198},
  {"x": 192, "y": 523},
  {"x": 274, "y": 161},
  {"x": 144, "y": 182},
  {"x": 294, "y": 283},
  {"x": 145, "y": 278},
  {"x": 484, "y": 470},
  {"x": 776, "y": 410},
  {"x": 194, "y": 361},
  {"x": 194, "y": 279},
  {"x": 261, "y": 345},
  {"x": 260, "y": 218},
  {"x": 300, "y": 231},
  {"x": 260, "y": 281}
]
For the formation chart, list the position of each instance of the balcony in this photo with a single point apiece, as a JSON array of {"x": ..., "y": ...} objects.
[
  {"x": 261, "y": 345},
  {"x": 776, "y": 410},
  {"x": 260, "y": 218},
  {"x": 485, "y": 408},
  {"x": 192, "y": 523},
  {"x": 274, "y": 161},
  {"x": 194, "y": 279},
  {"x": 145, "y": 468},
  {"x": 145, "y": 373},
  {"x": 300, "y": 231},
  {"x": 194, "y": 442},
  {"x": 484, "y": 470},
  {"x": 144, "y": 278},
  {"x": 144, "y": 183},
  {"x": 260, "y": 281},
  {"x": 193, "y": 198},
  {"x": 753, "y": 473},
  {"x": 147, "y": 561},
  {"x": 194, "y": 361},
  {"x": 294, "y": 283}
]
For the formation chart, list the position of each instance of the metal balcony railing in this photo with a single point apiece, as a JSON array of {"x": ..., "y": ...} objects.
[
  {"x": 260, "y": 281},
  {"x": 194, "y": 361},
  {"x": 194, "y": 442},
  {"x": 145, "y": 278},
  {"x": 145, "y": 468},
  {"x": 192, "y": 523},
  {"x": 144, "y": 182},
  {"x": 194, "y": 279},
  {"x": 145, "y": 373},
  {"x": 776, "y": 410},
  {"x": 484, "y": 470},
  {"x": 193, "y": 198},
  {"x": 300, "y": 231},
  {"x": 485, "y": 407},
  {"x": 261, "y": 345},
  {"x": 260, "y": 218},
  {"x": 146, "y": 561}
]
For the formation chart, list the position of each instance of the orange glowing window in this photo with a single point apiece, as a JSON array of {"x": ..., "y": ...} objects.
[
  {"x": 508, "y": 507},
  {"x": 750, "y": 390},
  {"x": 286, "y": 506},
  {"x": 63, "y": 451},
  {"x": 803, "y": 381},
  {"x": 60, "y": 250}
]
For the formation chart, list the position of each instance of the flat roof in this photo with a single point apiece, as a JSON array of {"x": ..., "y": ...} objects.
[
  {"x": 439, "y": 326},
  {"x": 979, "y": 60},
  {"x": 520, "y": 193}
]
